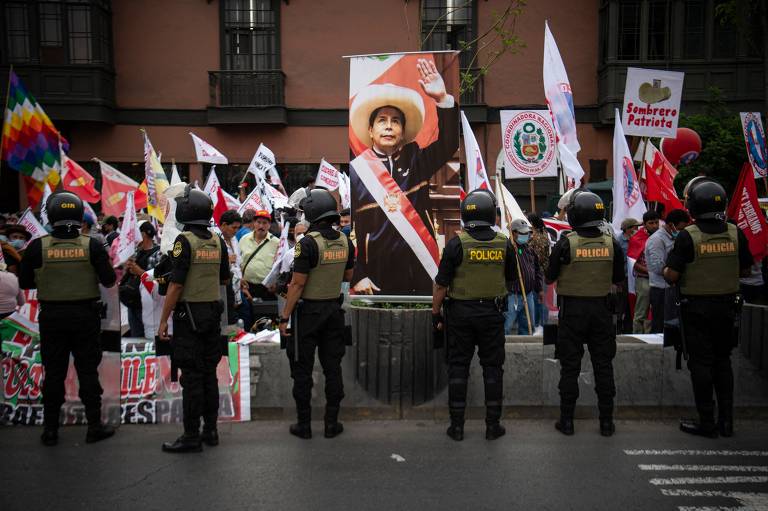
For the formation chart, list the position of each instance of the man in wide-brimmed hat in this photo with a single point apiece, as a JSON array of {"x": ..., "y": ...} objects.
[{"x": 387, "y": 118}]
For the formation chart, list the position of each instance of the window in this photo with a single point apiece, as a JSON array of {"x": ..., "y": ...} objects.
[
  {"x": 57, "y": 31},
  {"x": 629, "y": 31},
  {"x": 693, "y": 37},
  {"x": 251, "y": 35},
  {"x": 725, "y": 37},
  {"x": 658, "y": 14},
  {"x": 449, "y": 25}
]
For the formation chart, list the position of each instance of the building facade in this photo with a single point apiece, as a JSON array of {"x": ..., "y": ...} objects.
[{"x": 242, "y": 72}]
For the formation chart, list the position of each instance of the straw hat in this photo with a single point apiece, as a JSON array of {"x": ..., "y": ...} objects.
[{"x": 376, "y": 96}]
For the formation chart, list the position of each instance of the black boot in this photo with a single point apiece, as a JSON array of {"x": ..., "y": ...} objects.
[
  {"x": 185, "y": 443},
  {"x": 456, "y": 431},
  {"x": 494, "y": 430},
  {"x": 607, "y": 427},
  {"x": 333, "y": 427},
  {"x": 303, "y": 426},
  {"x": 96, "y": 430},
  {"x": 210, "y": 436},
  {"x": 725, "y": 419},
  {"x": 565, "y": 426},
  {"x": 50, "y": 436},
  {"x": 698, "y": 428}
]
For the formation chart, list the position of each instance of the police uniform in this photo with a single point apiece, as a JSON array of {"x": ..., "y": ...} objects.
[
  {"x": 584, "y": 264},
  {"x": 709, "y": 256},
  {"x": 324, "y": 255},
  {"x": 475, "y": 268},
  {"x": 66, "y": 269}
]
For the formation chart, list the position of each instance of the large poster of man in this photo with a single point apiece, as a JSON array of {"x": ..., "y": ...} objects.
[{"x": 403, "y": 130}]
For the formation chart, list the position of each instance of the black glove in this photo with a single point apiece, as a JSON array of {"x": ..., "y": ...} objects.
[
  {"x": 438, "y": 335},
  {"x": 436, "y": 320}
]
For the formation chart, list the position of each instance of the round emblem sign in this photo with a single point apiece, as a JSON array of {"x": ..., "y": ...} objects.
[{"x": 529, "y": 143}]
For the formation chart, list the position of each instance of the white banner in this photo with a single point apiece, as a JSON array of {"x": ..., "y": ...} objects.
[
  {"x": 627, "y": 200},
  {"x": 129, "y": 234},
  {"x": 262, "y": 161},
  {"x": 652, "y": 102},
  {"x": 754, "y": 137},
  {"x": 253, "y": 201},
  {"x": 344, "y": 190},
  {"x": 557, "y": 90},
  {"x": 205, "y": 152},
  {"x": 44, "y": 204},
  {"x": 327, "y": 176},
  {"x": 32, "y": 226},
  {"x": 528, "y": 139},
  {"x": 477, "y": 177}
]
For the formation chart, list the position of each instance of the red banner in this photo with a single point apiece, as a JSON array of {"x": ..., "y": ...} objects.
[
  {"x": 744, "y": 209},
  {"x": 658, "y": 182}
]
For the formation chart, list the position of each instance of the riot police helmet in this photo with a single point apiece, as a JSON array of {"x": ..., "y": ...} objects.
[
  {"x": 320, "y": 205},
  {"x": 478, "y": 209},
  {"x": 706, "y": 200},
  {"x": 64, "y": 208},
  {"x": 585, "y": 209},
  {"x": 194, "y": 207}
]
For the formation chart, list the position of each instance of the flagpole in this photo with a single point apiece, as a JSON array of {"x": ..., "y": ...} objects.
[
  {"x": 525, "y": 295},
  {"x": 533, "y": 197},
  {"x": 765, "y": 182},
  {"x": 7, "y": 97}
]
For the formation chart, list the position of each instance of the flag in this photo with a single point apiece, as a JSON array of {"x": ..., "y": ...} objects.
[
  {"x": 140, "y": 196},
  {"x": 262, "y": 161},
  {"x": 130, "y": 236},
  {"x": 220, "y": 207},
  {"x": 276, "y": 197},
  {"x": 510, "y": 209},
  {"x": 477, "y": 177},
  {"x": 658, "y": 182},
  {"x": 627, "y": 200},
  {"x": 744, "y": 209},
  {"x": 557, "y": 90},
  {"x": 43, "y": 203},
  {"x": 570, "y": 164},
  {"x": 327, "y": 176},
  {"x": 344, "y": 190},
  {"x": 32, "y": 226},
  {"x": 30, "y": 140},
  {"x": 114, "y": 189},
  {"x": 212, "y": 186},
  {"x": 650, "y": 157},
  {"x": 253, "y": 201},
  {"x": 205, "y": 152},
  {"x": 175, "y": 178},
  {"x": 157, "y": 182},
  {"x": 77, "y": 180}
]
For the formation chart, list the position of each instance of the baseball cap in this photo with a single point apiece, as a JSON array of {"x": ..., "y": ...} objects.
[
  {"x": 629, "y": 222},
  {"x": 520, "y": 226},
  {"x": 262, "y": 213}
]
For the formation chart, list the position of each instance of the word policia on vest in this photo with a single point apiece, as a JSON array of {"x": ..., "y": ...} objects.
[
  {"x": 65, "y": 253},
  {"x": 202, "y": 254},
  {"x": 726, "y": 247},
  {"x": 334, "y": 256},
  {"x": 486, "y": 254},
  {"x": 592, "y": 253}
]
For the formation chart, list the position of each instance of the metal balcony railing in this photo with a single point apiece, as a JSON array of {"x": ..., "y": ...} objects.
[{"x": 247, "y": 88}]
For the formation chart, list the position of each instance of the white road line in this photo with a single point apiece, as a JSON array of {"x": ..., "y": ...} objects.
[
  {"x": 714, "y": 508},
  {"x": 708, "y": 480},
  {"x": 690, "y": 452},
  {"x": 706, "y": 468},
  {"x": 675, "y": 492}
]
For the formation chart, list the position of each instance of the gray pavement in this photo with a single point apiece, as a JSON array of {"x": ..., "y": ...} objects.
[{"x": 386, "y": 465}]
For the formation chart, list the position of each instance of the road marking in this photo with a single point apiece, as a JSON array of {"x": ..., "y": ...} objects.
[
  {"x": 714, "y": 508},
  {"x": 690, "y": 452},
  {"x": 675, "y": 492},
  {"x": 708, "y": 480},
  {"x": 706, "y": 468}
]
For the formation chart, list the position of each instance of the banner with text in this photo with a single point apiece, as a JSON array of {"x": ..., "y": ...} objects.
[
  {"x": 652, "y": 102},
  {"x": 528, "y": 139}
]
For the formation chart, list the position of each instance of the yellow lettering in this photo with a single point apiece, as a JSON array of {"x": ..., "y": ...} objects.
[
  {"x": 68, "y": 205},
  {"x": 486, "y": 254}
]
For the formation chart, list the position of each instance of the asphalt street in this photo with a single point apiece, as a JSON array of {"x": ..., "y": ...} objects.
[{"x": 383, "y": 465}]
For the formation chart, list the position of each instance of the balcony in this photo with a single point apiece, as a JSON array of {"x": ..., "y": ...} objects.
[
  {"x": 247, "y": 97},
  {"x": 475, "y": 95},
  {"x": 75, "y": 92}
]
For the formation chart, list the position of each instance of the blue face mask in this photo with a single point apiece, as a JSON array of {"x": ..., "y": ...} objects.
[
  {"x": 347, "y": 230},
  {"x": 674, "y": 234},
  {"x": 523, "y": 238},
  {"x": 17, "y": 244}
]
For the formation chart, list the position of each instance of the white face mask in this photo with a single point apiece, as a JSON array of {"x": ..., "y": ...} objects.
[{"x": 298, "y": 237}]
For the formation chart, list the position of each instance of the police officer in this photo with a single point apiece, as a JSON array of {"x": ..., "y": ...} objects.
[
  {"x": 584, "y": 264},
  {"x": 473, "y": 273},
  {"x": 67, "y": 268},
  {"x": 705, "y": 262},
  {"x": 199, "y": 264},
  {"x": 324, "y": 258}
]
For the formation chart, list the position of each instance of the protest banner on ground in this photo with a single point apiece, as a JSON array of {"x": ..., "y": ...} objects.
[{"x": 652, "y": 102}]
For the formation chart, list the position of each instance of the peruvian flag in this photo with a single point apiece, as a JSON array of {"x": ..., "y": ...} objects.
[
  {"x": 744, "y": 209},
  {"x": 205, "y": 152},
  {"x": 212, "y": 186},
  {"x": 477, "y": 177},
  {"x": 77, "y": 180},
  {"x": 115, "y": 187},
  {"x": 658, "y": 183},
  {"x": 220, "y": 207}
]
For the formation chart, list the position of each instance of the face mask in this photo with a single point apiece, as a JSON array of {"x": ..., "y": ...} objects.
[
  {"x": 3, "y": 238},
  {"x": 298, "y": 237},
  {"x": 523, "y": 238},
  {"x": 17, "y": 244},
  {"x": 674, "y": 234},
  {"x": 347, "y": 230}
]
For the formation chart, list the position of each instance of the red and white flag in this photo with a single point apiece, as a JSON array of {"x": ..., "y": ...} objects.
[
  {"x": 344, "y": 190},
  {"x": 205, "y": 152},
  {"x": 254, "y": 201},
  {"x": 32, "y": 226},
  {"x": 327, "y": 176},
  {"x": 744, "y": 209},
  {"x": 130, "y": 236},
  {"x": 557, "y": 90},
  {"x": 115, "y": 187},
  {"x": 477, "y": 177},
  {"x": 659, "y": 185},
  {"x": 212, "y": 187},
  {"x": 77, "y": 180},
  {"x": 627, "y": 199}
]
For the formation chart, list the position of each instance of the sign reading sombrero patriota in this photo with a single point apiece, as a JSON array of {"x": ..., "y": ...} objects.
[{"x": 528, "y": 140}]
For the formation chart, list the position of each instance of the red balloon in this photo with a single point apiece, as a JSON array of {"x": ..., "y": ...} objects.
[{"x": 684, "y": 148}]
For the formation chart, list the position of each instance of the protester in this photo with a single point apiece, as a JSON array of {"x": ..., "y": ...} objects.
[
  {"x": 10, "y": 294},
  {"x": 109, "y": 228},
  {"x": 656, "y": 250},
  {"x": 628, "y": 229},
  {"x": 324, "y": 259},
  {"x": 258, "y": 249},
  {"x": 541, "y": 246},
  {"x": 521, "y": 298},
  {"x": 473, "y": 270},
  {"x": 345, "y": 218},
  {"x": 229, "y": 224},
  {"x": 247, "y": 224},
  {"x": 11, "y": 256},
  {"x": 18, "y": 236},
  {"x": 640, "y": 324},
  {"x": 146, "y": 257},
  {"x": 67, "y": 279},
  {"x": 89, "y": 228}
]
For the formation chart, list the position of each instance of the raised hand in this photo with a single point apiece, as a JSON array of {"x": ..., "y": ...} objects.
[{"x": 431, "y": 81}]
